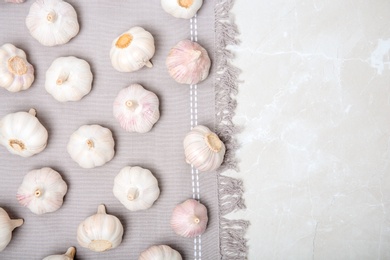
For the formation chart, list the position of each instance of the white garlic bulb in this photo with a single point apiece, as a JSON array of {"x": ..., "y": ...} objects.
[
  {"x": 188, "y": 62},
  {"x": 100, "y": 232},
  {"x": 16, "y": 73},
  {"x": 91, "y": 146},
  {"x": 42, "y": 191},
  {"x": 185, "y": 9},
  {"x": 22, "y": 133},
  {"x": 203, "y": 149},
  {"x": 52, "y": 22},
  {"x": 15, "y": 1},
  {"x": 136, "y": 109},
  {"x": 69, "y": 255},
  {"x": 189, "y": 219},
  {"x": 132, "y": 50},
  {"x": 7, "y": 225},
  {"x": 161, "y": 252},
  {"x": 68, "y": 79},
  {"x": 136, "y": 188}
]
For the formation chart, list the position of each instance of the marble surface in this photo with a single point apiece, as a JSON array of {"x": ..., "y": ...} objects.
[{"x": 315, "y": 106}]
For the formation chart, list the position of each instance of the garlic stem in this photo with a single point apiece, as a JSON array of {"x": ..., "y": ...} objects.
[
  {"x": 51, "y": 17},
  {"x": 16, "y": 65},
  {"x": 124, "y": 41},
  {"x": 32, "y": 112},
  {"x": 196, "y": 220},
  {"x": 37, "y": 193},
  {"x": 195, "y": 54},
  {"x": 213, "y": 142},
  {"x": 17, "y": 145},
  {"x": 70, "y": 252},
  {"x": 16, "y": 223},
  {"x": 132, "y": 194},
  {"x": 90, "y": 144},
  {"x": 101, "y": 209},
  {"x": 185, "y": 3},
  {"x": 149, "y": 64},
  {"x": 131, "y": 104},
  {"x": 62, "y": 78}
]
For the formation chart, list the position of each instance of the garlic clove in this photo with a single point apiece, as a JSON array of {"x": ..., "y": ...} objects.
[
  {"x": 22, "y": 133},
  {"x": 52, "y": 22},
  {"x": 42, "y": 191},
  {"x": 136, "y": 109},
  {"x": 132, "y": 50},
  {"x": 16, "y": 73},
  {"x": 68, "y": 79},
  {"x": 189, "y": 219},
  {"x": 160, "y": 252},
  {"x": 136, "y": 188},
  {"x": 188, "y": 62},
  {"x": 91, "y": 146},
  {"x": 185, "y": 9},
  {"x": 100, "y": 232},
  {"x": 7, "y": 225},
  {"x": 69, "y": 255},
  {"x": 203, "y": 149}
]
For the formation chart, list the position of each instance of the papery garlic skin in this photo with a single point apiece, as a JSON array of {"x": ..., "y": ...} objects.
[
  {"x": 16, "y": 73},
  {"x": 185, "y": 9},
  {"x": 68, "y": 79},
  {"x": 91, "y": 146},
  {"x": 7, "y": 225},
  {"x": 52, "y": 22},
  {"x": 42, "y": 191},
  {"x": 136, "y": 109},
  {"x": 22, "y": 133},
  {"x": 203, "y": 149},
  {"x": 132, "y": 50},
  {"x": 136, "y": 188},
  {"x": 188, "y": 62},
  {"x": 189, "y": 219},
  {"x": 100, "y": 232},
  {"x": 161, "y": 252},
  {"x": 69, "y": 255}
]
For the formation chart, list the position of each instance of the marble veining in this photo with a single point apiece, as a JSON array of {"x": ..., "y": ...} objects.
[{"x": 315, "y": 106}]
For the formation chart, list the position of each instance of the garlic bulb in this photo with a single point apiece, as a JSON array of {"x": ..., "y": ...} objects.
[
  {"x": 52, "y": 22},
  {"x": 189, "y": 219},
  {"x": 185, "y": 9},
  {"x": 136, "y": 188},
  {"x": 68, "y": 79},
  {"x": 42, "y": 191},
  {"x": 91, "y": 146},
  {"x": 69, "y": 255},
  {"x": 132, "y": 50},
  {"x": 22, "y": 133},
  {"x": 203, "y": 149},
  {"x": 136, "y": 109},
  {"x": 188, "y": 62},
  {"x": 15, "y": 1},
  {"x": 100, "y": 232},
  {"x": 7, "y": 225},
  {"x": 161, "y": 252},
  {"x": 16, "y": 73}
]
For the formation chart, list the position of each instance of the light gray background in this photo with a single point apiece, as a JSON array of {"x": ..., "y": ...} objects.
[{"x": 159, "y": 150}]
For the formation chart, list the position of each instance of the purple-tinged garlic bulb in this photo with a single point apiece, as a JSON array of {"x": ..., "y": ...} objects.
[
  {"x": 136, "y": 109},
  {"x": 161, "y": 252},
  {"x": 69, "y": 255},
  {"x": 7, "y": 225},
  {"x": 189, "y": 219},
  {"x": 100, "y": 232},
  {"x": 132, "y": 50},
  {"x": 203, "y": 149},
  {"x": 14, "y": 1},
  {"x": 188, "y": 62},
  {"x": 52, "y": 22},
  {"x": 42, "y": 191},
  {"x": 16, "y": 73},
  {"x": 185, "y": 9}
]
